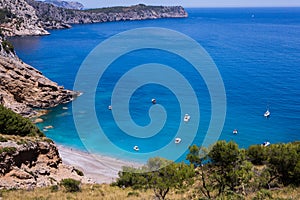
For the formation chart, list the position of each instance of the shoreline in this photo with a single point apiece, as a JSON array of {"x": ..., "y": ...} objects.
[{"x": 98, "y": 168}]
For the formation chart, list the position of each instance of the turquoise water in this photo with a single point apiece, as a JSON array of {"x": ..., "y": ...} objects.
[{"x": 257, "y": 52}]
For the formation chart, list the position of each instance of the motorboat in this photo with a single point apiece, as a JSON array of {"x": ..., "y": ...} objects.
[
  {"x": 136, "y": 148},
  {"x": 109, "y": 107},
  {"x": 265, "y": 144},
  {"x": 186, "y": 118},
  {"x": 153, "y": 101},
  {"x": 267, "y": 113},
  {"x": 235, "y": 131},
  {"x": 177, "y": 140}
]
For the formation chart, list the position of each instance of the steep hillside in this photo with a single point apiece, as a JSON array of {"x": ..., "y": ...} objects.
[
  {"x": 17, "y": 17},
  {"x": 66, "y": 4},
  {"x": 23, "y": 88}
]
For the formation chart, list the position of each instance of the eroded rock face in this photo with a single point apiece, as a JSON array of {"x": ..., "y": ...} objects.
[
  {"x": 21, "y": 19},
  {"x": 66, "y": 4},
  {"x": 32, "y": 164},
  {"x": 23, "y": 88},
  {"x": 53, "y": 17}
]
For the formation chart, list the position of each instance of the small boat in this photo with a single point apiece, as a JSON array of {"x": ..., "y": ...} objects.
[
  {"x": 186, "y": 118},
  {"x": 177, "y": 140},
  {"x": 153, "y": 101},
  {"x": 235, "y": 131},
  {"x": 136, "y": 148},
  {"x": 65, "y": 108},
  {"x": 267, "y": 113},
  {"x": 265, "y": 144},
  {"x": 109, "y": 107}
]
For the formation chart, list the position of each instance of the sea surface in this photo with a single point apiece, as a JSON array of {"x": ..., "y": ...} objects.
[{"x": 256, "y": 50}]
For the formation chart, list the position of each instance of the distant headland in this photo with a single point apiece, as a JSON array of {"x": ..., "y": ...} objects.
[{"x": 30, "y": 17}]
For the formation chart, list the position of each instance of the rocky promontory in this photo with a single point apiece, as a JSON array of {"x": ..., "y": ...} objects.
[
  {"x": 32, "y": 162},
  {"x": 30, "y": 17},
  {"x": 23, "y": 88}
]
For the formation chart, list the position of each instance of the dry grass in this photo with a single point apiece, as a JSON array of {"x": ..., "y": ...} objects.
[
  {"x": 106, "y": 192},
  {"x": 103, "y": 192}
]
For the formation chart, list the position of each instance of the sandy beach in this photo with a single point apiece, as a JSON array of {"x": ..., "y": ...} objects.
[{"x": 98, "y": 168}]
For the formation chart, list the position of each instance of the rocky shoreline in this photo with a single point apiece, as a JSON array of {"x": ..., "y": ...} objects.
[
  {"x": 23, "y": 88},
  {"x": 30, "y": 17},
  {"x": 26, "y": 163}
]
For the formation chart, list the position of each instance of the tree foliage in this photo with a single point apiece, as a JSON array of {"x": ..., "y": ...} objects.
[
  {"x": 71, "y": 185},
  {"x": 14, "y": 124},
  {"x": 158, "y": 174}
]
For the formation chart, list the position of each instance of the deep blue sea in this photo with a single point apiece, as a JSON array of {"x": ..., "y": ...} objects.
[{"x": 256, "y": 50}]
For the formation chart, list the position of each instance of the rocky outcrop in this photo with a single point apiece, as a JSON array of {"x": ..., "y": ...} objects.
[
  {"x": 66, "y": 4},
  {"x": 31, "y": 163},
  {"x": 53, "y": 17},
  {"x": 19, "y": 18},
  {"x": 30, "y": 17},
  {"x": 23, "y": 88}
]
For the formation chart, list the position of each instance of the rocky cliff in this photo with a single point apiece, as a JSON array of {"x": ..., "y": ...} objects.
[
  {"x": 66, "y": 4},
  {"x": 30, "y": 17},
  {"x": 17, "y": 17},
  {"x": 53, "y": 17},
  {"x": 32, "y": 162},
  {"x": 23, "y": 88}
]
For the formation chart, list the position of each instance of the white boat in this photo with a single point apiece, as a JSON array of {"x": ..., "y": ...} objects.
[
  {"x": 153, "y": 101},
  {"x": 235, "y": 131},
  {"x": 136, "y": 148},
  {"x": 267, "y": 113},
  {"x": 186, "y": 118},
  {"x": 109, "y": 107},
  {"x": 265, "y": 144},
  {"x": 65, "y": 108},
  {"x": 177, "y": 140}
]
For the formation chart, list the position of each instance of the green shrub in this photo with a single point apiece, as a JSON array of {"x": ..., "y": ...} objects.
[
  {"x": 262, "y": 195},
  {"x": 9, "y": 150},
  {"x": 71, "y": 185},
  {"x": 7, "y": 46},
  {"x": 2, "y": 139},
  {"x": 54, "y": 188},
  {"x": 133, "y": 193},
  {"x": 79, "y": 173},
  {"x": 14, "y": 124}
]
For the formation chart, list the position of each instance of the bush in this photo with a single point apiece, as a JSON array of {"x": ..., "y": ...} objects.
[
  {"x": 71, "y": 185},
  {"x": 79, "y": 173},
  {"x": 133, "y": 193},
  {"x": 54, "y": 188},
  {"x": 2, "y": 139},
  {"x": 9, "y": 150},
  {"x": 7, "y": 46},
  {"x": 14, "y": 124}
]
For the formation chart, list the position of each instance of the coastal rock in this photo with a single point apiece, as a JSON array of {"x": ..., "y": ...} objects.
[
  {"x": 53, "y": 17},
  {"x": 19, "y": 18},
  {"x": 66, "y": 4},
  {"x": 23, "y": 88},
  {"x": 34, "y": 163}
]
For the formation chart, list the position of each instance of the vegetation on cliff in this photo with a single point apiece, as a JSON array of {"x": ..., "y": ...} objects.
[{"x": 14, "y": 124}]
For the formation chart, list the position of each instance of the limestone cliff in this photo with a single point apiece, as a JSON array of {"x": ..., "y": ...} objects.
[
  {"x": 30, "y": 17},
  {"x": 53, "y": 17},
  {"x": 19, "y": 18},
  {"x": 66, "y": 4},
  {"x": 23, "y": 88},
  {"x": 32, "y": 162}
]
